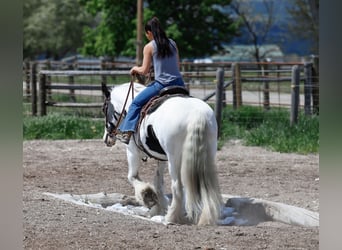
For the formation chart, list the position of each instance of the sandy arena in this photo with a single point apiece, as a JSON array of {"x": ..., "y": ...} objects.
[{"x": 88, "y": 166}]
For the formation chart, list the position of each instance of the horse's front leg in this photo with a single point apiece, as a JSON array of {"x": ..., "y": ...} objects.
[
  {"x": 161, "y": 207},
  {"x": 144, "y": 192}
]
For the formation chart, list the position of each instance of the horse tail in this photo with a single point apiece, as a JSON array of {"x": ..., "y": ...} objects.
[{"x": 198, "y": 171}]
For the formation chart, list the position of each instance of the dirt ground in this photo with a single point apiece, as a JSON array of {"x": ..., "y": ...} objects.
[{"x": 88, "y": 166}]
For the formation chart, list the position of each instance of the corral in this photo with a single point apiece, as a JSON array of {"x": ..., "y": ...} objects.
[
  {"x": 81, "y": 167},
  {"x": 267, "y": 81}
]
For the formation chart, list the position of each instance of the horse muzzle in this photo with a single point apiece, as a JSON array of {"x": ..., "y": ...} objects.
[{"x": 110, "y": 140}]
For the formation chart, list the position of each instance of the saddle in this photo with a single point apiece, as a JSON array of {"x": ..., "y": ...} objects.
[
  {"x": 151, "y": 106},
  {"x": 163, "y": 95}
]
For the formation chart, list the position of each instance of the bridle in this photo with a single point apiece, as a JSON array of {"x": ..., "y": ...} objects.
[{"x": 112, "y": 129}]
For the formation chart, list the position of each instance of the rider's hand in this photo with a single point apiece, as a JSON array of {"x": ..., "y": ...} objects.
[{"x": 133, "y": 71}]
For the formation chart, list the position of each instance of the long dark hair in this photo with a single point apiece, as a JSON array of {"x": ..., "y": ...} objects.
[{"x": 159, "y": 35}]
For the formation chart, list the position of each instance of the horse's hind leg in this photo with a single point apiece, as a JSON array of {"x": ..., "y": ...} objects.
[
  {"x": 161, "y": 207},
  {"x": 176, "y": 211},
  {"x": 144, "y": 192}
]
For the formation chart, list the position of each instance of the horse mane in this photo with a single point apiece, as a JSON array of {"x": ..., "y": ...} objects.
[
  {"x": 119, "y": 93},
  {"x": 138, "y": 87}
]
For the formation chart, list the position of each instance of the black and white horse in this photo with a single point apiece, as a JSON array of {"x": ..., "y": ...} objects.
[{"x": 182, "y": 134}]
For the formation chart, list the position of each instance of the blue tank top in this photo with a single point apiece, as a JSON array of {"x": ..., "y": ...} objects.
[{"x": 165, "y": 69}]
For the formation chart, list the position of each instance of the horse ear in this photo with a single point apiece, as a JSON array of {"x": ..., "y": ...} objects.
[{"x": 105, "y": 90}]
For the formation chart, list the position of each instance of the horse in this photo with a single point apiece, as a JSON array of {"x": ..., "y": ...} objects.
[{"x": 182, "y": 135}]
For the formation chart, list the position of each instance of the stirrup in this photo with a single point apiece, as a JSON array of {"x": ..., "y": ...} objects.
[{"x": 124, "y": 137}]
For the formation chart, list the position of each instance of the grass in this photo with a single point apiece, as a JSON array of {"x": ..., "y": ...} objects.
[
  {"x": 271, "y": 129},
  {"x": 57, "y": 126},
  {"x": 254, "y": 126}
]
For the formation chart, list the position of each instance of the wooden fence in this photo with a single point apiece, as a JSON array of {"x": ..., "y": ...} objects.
[{"x": 221, "y": 75}]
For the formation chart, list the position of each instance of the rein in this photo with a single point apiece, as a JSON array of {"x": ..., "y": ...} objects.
[{"x": 115, "y": 129}]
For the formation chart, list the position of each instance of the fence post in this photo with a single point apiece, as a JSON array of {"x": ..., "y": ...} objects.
[
  {"x": 266, "y": 87},
  {"x": 71, "y": 81},
  {"x": 74, "y": 65},
  {"x": 48, "y": 80},
  {"x": 27, "y": 79},
  {"x": 278, "y": 83},
  {"x": 42, "y": 94},
  {"x": 237, "y": 94},
  {"x": 219, "y": 97},
  {"x": 307, "y": 88},
  {"x": 103, "y": 77},
  {"x": 294, "y": 94},
  {"x": 33, "y": 80},
  {"x": 315, "y": 84},
  {"x": 224, "y": 97}
]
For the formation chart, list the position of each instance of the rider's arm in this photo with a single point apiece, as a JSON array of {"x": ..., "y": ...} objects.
[{"x": 147, "y": 60}]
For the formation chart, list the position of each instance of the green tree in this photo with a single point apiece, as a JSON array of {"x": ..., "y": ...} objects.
[
  {"x": 116, "y": 27},
  {"x": 257, "y": 25},
  {"x": 53, "y": 27},
  {"x": 199, "y": 27}
]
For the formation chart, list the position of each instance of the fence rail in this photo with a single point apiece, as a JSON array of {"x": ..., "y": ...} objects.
[{"x": 219, "y": 77}]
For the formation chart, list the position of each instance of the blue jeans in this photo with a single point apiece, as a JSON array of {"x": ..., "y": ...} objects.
[{"x": 131, "y": 120}]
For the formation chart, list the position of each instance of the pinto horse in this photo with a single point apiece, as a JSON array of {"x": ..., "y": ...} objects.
[{"x": 182, "y": 135}]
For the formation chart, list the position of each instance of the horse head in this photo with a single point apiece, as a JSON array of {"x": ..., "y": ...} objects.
[
  {"x": 111, "y": 117},
  {"x": 114, "y": 108}
]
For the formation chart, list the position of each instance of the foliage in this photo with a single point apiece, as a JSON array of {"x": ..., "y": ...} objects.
[
  {"x": 271, "y": 129},
  {"x": 53, "y": 27},
  {"x": 255, "y": 23},
  {"x": 116, "y": 27},
  {"x": 57, "y": 126},
  {"x": 198, "y": 27},
  {"x": 305, "y": 21}
]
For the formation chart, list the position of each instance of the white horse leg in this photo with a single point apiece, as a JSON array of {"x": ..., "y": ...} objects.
[
  {"x": 175, "y": 213},
  {"x": 144, "y": 192},
  {"x": 161, "y": 207}
]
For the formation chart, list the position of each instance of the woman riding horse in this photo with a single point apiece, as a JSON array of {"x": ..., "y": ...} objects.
[{"x": 164, "y": 54}]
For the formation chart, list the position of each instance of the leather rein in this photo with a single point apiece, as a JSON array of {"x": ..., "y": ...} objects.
[{"x": 113, "y": 129}]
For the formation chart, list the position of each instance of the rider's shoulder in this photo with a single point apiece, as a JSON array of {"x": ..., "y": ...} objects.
[{"x": 149, "y": 46}]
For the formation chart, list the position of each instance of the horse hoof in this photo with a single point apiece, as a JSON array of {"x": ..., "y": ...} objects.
[{"x": 149, "y": 197}]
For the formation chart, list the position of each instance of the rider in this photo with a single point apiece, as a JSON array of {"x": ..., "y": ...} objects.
[{"x": 163, "y": 52}]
